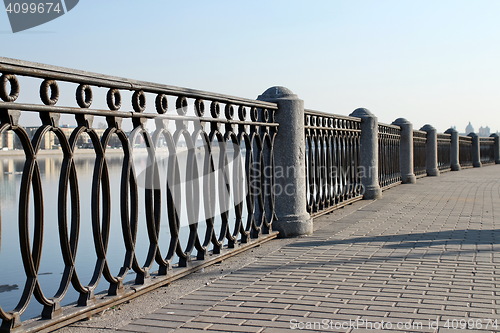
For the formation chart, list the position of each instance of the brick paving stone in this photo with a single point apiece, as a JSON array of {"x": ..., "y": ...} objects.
[
  {"x": 167, "y": 317},
  {"x": 172, "y": 310},
  {"x": 424, "y": 250},
  {"x": 226, "y": 320},
  {"x": 266, "y": 323},
  {"x": 231, "y": 309},
  {"x": 298, "y": 313},
  {"x": 280, "y": 330},
  {"x": 234, "y": 328},
  {"x": 215, "y": 314},
  {"x": 139, "y": 328},
  {"x": 199, "y": 325},
  {"x": 193, "y": 330},
  {"x": 269, "y": 305},
  {"x": 158, "y": 323},
  {"x": 247, "y": 316}
]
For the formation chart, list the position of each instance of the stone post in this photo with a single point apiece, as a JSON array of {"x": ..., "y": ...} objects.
[
  {"x": 497, "y": 147},
  {"x": 476, "y": 150},
  {"x": 455, "y": 150},
  {"x": 431, "y": 151},
  {"x": 406, "y": 151},
  {"x": 289, "y": 158},
  {"x": 368, "y": 162}
]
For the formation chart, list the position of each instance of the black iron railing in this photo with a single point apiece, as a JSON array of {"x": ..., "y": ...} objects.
[
  {"x": 444, "y": 151},
  {"x": 147, "y": 182},
  {"x": 419, "y": 160},
  {"x": 389, "y": 139},
  {"x": 332, "y": 157},
  {"x": 209, "y": 153},
  {"x": 487, "y": 150},
  {"x": 465, "y": 151}
]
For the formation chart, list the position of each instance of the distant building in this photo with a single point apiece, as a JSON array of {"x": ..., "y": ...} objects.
[
  {"x": 469, "y": 128},
  {"x": 484, "y": 131},
  {"x": 9, "y": 140}
]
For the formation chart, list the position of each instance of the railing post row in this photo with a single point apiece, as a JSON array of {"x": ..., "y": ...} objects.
[
  {"x": 406, "y": 151},
  {"x": 431, "y": 152},
  {"x": 368, "y": 163},
  {"x": 289, "y": 158}
]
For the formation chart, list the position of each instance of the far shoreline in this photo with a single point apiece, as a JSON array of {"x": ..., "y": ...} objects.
[{"x": 57, "y": 152}]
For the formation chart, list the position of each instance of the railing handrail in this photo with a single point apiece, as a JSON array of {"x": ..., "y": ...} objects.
[
  {"x": 123, "y": 114},
  {"x": 464, "y": 138},
  {"x": 419, "y": 134},
  {"x": 33, "y": 69},
  {"x": 444, "y": 136},
  {"x": 389, "y": 126},
  {"x": 330, "y": 115}
]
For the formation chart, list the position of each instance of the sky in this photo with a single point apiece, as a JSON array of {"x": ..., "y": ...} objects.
[{"x": 433, "y": 62}]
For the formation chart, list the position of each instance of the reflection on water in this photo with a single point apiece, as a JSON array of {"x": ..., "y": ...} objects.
[
  {"x": 9, "y": 171},
  {"x": 6, "y": 287}
]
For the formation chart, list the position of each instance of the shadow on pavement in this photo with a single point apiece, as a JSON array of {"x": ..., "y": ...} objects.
[{"x": 416, "y": 240}]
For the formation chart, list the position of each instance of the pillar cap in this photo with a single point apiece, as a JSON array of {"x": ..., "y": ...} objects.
[
  {"x": 494, "y": 135},
  {"x": 362, "y": 113},
  {"x": 451, "y": 130},
  {"x": 427, "y": 128},
  {"x": 473, "y": 135},
  {"x": 275, "y": 93},
  {"x": 401, "y": 121}
]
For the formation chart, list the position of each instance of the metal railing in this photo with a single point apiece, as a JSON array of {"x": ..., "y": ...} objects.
[
  {"x": 389, "y": 139},
  {"x": 194, "y": 182},
  {"x": 444, "y": 151},
  {"x": 332, "y": 157},
  {"x": 419, "y": 159},
  {"x": 226, "y": 145},
  {"x": 487, "y": 150},
  {"x": 465, "y": 151}
]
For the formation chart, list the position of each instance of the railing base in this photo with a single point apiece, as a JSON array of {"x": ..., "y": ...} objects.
[
  {"x": 385, "y": 188},
  {"x": 335, "y": 207},
  {"x": 12, "y": 326},
  {"x": 73, "y": 314}
]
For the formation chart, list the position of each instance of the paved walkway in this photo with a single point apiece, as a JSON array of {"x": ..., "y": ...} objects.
[{"x": 421, "y": 259}]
